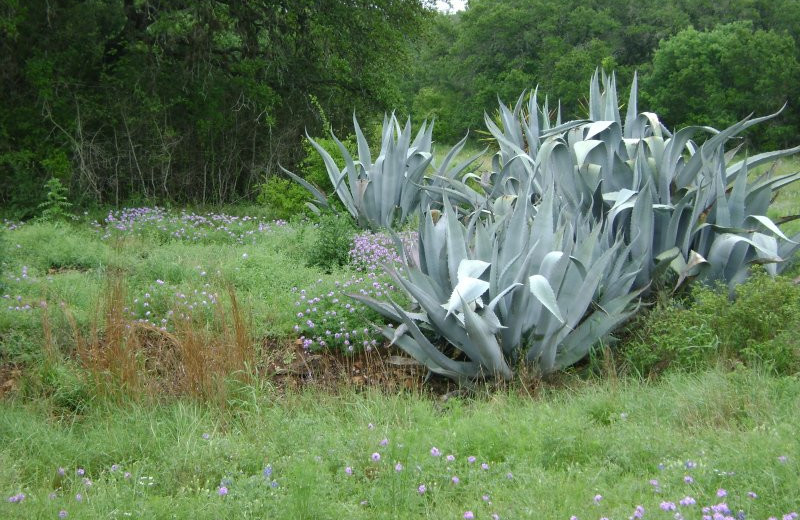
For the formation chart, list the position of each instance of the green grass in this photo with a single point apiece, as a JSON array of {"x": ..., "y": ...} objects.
[
  {"x": 70, "y": 262},
  {"x": 560, "y": 449},
  {"x": 572, "y": 441}
]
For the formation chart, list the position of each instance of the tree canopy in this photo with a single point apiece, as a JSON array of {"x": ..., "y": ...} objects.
[{"x": 196, "y": 101}]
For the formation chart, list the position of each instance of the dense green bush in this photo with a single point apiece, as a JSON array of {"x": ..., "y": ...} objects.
[
  {"x": 759, "y": 327},
  {"x": 716, "y": 77},
  {"x": 334, "y": 238}
]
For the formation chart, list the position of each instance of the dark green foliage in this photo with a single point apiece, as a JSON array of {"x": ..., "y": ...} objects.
[
  {"x": 334, "y": 239},
  {"x": 184, "y": 101},
  {"x": 716, "y": 77},
  {"x": 499, "y": 47},
  {"x": 759, "y": 327},
  {"x": 56, "y": 205}
]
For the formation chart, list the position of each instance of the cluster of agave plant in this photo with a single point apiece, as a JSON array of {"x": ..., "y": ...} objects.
[{"x": 541, "y": 258}]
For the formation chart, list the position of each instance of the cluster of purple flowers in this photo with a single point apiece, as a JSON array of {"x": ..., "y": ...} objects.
[
  {"x": 328, "y": 318},
  {"x": 688, "y": 504},
  {"x": 370, "y": 251},
  {"x": 185, "y": 225},
  {"x": 11, "y": 225},
  {"x": 163, "y": 304},
  {"x": 331, "y": 319},
  {"x": 446, "y": 465}
]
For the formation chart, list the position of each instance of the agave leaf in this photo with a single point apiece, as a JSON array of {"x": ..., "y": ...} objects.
[
  {"x": 321, "y": 198},
  {"x": 767, "y": 223},
  {"x": 486, "y": 343},
  {"x": 540, "y": 288},
  {"x": 471, "y": 268},
  {"x": 467, "y": 290},
  {"x": 458, "y": 370},
  {"x": 364, "y": 155}
]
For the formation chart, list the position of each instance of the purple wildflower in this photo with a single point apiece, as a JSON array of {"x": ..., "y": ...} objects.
[
  {"x": 435, "y": 452},
  {"x": 469, "y": 515},
  {"x": 376, "y": 457}
]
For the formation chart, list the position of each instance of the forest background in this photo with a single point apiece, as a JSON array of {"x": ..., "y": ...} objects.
[{"x": 133, "y": 101}]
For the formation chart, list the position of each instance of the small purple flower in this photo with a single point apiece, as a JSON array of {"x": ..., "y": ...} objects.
[
  {"x": 495, "y": 516},
  {"x": 267, "y": 471},
  {"x": 19, "y": 497},
  {"x": 79, "y": 497},
  {"x": 450, "y": 458},
  {"x": 348, "y": 470},
  {"x": 222, "y": 491},
  {"x": 471, "y": 459},
  {"x": 639, "y": 512},
  {"x": 273, "y": 484},
  {"x": 688, "y": 479},
  {"x": 485, "y": 498},
  {"x": 598, "y": 498},
  {"x": 751, "y": 494},
  {"x": 510, "y": 476},
  {"x": 667, "y": 506},
  {"x": 127, "y": 474},
  {"x": 721, "y": 493},
  {"x": 687, "y": 501},
  {"x": 62, "y": 514},
  {"x": 782, "y": 459},
  {"x": 376, "y": 457},
  {"x": 80, "y": 472},
  {"x": 435, "y": 452},
  {"x": 469, "y": 515},
  {"x": 455, "y": 480},
  {"x": 654, "y": 483},
  {"x": 484, "y": 466},
  {"x": 384, "y": 442},
  {"x": 115, "y": 467},
  {"x": 206, "y": 436},
  {"x": 422, "y": 489},
  {"x": 690, "y": 464},
  {"x": 398, "y": 467},
  {"x": 53, "y": 495},
  {"x": 61, "y": 472}
]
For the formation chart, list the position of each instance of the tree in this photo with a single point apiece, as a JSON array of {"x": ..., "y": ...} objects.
[
  {"x": 185, "y": 100},
  {"x": 719, "y": 76}
]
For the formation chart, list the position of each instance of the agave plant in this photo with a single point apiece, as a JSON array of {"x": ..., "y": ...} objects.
[
  {"x": 671, "y": 198},
  {"x": 385, "y": 192},
  {"x": 517, "y": 284}
]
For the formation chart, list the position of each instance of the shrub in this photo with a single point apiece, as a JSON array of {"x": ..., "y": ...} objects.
[
  {"x": 56, "y": 204},
  {"x": 332, "y": 246},
  {"x": 758, "y": 328},
  {"x": 283, "y": 198}
]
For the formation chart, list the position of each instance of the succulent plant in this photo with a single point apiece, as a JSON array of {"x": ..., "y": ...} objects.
[{"x": 385, "y": 192}]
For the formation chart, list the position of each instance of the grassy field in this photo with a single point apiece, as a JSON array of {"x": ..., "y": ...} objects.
[
  {"x": 584, "y": 449},
  {"x": 152, "y": 365}
]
